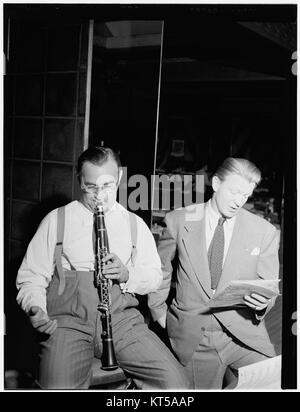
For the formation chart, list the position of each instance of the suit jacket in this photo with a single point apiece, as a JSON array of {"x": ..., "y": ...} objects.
[{"x": 252, "y": 254}]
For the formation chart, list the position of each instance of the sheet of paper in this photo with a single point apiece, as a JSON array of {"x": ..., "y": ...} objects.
[
  {"x": 233, "y": 294},
  {"x": 261, "y": 375}
]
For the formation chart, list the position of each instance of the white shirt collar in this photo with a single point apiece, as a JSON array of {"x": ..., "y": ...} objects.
[
  {"x": 213, "y": 217},
  {"x": 116, "y": 207},
  {"x": 211, "y": 213}
]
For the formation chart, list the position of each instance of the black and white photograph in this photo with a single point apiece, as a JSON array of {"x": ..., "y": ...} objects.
[{"x": 149, "y": 199}]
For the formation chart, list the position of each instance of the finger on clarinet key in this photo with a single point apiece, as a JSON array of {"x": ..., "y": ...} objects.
[{"x": 109, "y": 256}]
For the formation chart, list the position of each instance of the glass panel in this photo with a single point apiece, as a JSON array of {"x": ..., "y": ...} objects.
[
  {"x": 7, "y": 177},
  {"x": 24, "y": 220},
  {"x": 18, "y": 249},
  {"x": 84, "y": 46},
  {"x": 8, "y": 137},
  {"x": 63, "y": 48},
  {"x": 6, "y": 222},
  {"x": 61, "y": 95},
  {"x": 29, "y": 95},
  {"x": 59, "y": 140},
  {"x": 8, "y": 94},
  {"x": 57, "y": 183},
  {"x": 27, "y": 47},
  {"x": 26, "y": 180},
  {"x": 28, "y": 138}
]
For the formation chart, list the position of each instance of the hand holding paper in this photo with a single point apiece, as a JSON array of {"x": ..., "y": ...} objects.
[
  {"x": 256, "y": 302},
  {"x": 236, "y": 290}
]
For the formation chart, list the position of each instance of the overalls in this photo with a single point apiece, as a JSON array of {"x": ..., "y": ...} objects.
[{"x": 67, "y": 355}]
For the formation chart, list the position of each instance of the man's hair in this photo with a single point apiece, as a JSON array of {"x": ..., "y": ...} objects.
[
  {"x": 98, "y": 156},
  {"x": 241, "y": 167}
]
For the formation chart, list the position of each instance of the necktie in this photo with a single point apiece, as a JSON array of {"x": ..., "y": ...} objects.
[{"x": 216, "y": 253}]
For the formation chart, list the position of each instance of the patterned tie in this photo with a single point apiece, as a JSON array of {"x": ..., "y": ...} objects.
[{"x": 216, "y": 253}]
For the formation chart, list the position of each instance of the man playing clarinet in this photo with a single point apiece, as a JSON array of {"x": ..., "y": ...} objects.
[{"x": 56, "y": 285}]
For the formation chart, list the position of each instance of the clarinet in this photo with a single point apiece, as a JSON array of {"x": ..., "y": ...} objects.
[{"x": 108, "y": 359}]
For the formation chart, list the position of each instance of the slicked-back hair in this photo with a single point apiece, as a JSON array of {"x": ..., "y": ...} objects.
[
  {"x": 241, "y": 167},
  {"x": 98, "y": 156}
]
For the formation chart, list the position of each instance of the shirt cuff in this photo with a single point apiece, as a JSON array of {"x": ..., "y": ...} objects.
[
  {"x": 157, "y": 313},
  {"x": 34, "y": 301},
  {"x": 140, "y": 281},
  {"x": 131, "y": 284},
  {"x": 260, "y": 314}
]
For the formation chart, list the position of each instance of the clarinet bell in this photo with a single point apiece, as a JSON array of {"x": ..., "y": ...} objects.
[{"x": 108, "y": 359}]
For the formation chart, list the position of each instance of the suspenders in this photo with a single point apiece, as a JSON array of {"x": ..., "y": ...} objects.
[
  {"x": 58, "y": 251},
  {"x": 133, "y": 233},
  {"x": 59, "y": 248}
]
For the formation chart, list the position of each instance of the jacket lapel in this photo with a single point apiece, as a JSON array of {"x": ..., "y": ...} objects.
[
  {"x": 195, "y": 245},
  {"x": 232, "y": 261}
]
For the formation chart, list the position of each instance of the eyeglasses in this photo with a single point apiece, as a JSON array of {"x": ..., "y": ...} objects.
[{"x": 95, "y": 189}]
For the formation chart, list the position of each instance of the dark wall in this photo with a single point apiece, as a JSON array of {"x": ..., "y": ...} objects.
[{"x": 44, "y": 118}]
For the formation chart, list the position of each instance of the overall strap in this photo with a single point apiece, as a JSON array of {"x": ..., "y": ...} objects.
[
  {"x": 133, "y": 232},
  {"x": 59, "y": 248}
]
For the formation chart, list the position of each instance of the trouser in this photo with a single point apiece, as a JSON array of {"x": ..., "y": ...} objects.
[
  {"x": 217, "y": 351},
  {"x": 66, "y": 356}
]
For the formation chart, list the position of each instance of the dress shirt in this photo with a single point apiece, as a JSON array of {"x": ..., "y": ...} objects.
[
  {"x": 211, "y": 221},
  {"x": 38, "y": 265}
]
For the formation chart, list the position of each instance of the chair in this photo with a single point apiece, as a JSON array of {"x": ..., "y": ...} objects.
[
  {"x": 115, "y": 379},
  {"x": 230, "y": 379}
]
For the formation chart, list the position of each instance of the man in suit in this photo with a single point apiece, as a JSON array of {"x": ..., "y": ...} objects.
[{"x": 215, "y": 243}]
